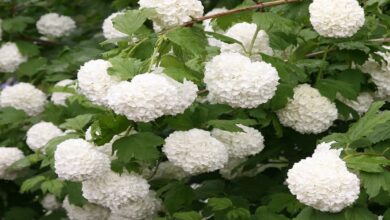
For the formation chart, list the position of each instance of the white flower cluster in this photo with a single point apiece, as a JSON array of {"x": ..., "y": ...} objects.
[
  {"x": 244, "y": 33},
  {"x": 59, "y": 98},
  {"x": 380, "y": 73},
  {"x": 50, "y": 202},
  {"x": 88, "y": 211},
  {"x": 151, "y": 95},
  {"x": 9, "y": 155},
  {"x": 78, "y": 160},
  {"x": 40, "y": 134},
  {"x": 94, "y": 81},
  {"x": 336, "y": 18},
  {"x": 234, "y": 79},
  {"x": 361, "y": 104},
  {"x": 240, "y": 144},
  {"x": 208, "y": 27},
  {"x": 323, "y": 181},
  {"x": 55, "y": 25},
  {"x": 171, "y": 13},
  {"x": 10, "y": 57},
  {"x": 308, "y": 111},
  {"x": 145, "y": 209},
  {"x": 196, "y": 151},
  {"x": 23, "y": 96},
  {"x": 109, "y": 30},
  {"x": 113, "y": 190}
]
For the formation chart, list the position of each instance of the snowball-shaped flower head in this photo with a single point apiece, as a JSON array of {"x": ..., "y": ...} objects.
[
  {"x": 308, "y": 112},
  {"x": 208, "y": 27},
  {"x": 50, "y": 203},
  {"x": 234, "y": 79},
  {"x": 151, "y": 95},
  {"x": 323, "y": 181},
  {"x": 59, "y": 98},
  {"x": 171, "y": 13},
  {"x": 9, "y": 155},
  {"x": 40, "y": 134},
  {"x": 94, "y": 81},
  {"x": 336, "y": 18},
  {"x": 240, "y": 144},
  {"x": 244, "y": 33},
  {"x": 380, "y": 73},
  {"x": 88, "y": 211},
  {"x": 196, "y": 151},
  {"x": 144, "y": 209},
  {"x": 23, "y": 96},
  {"x": 55, "y": 25},
  {"x": 109, "y": 31},
  {"x": 10, "y": 58},
  {"x": 361, "y": 104},
  {"x": 113, "y": 190},
  {"x": 77, "y": 160}
]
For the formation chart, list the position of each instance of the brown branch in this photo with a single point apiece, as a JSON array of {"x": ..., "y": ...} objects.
[
  {"x": 234, "y": 11},
  {"x": 39, "y": 41},
  {"x": 378, "y": 40}
]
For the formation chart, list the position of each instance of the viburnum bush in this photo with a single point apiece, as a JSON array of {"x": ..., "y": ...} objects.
[{"x": 195, "y": 110}]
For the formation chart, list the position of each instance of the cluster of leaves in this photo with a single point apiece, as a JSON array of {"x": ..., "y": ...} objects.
[{"x": 304, "y": 57}]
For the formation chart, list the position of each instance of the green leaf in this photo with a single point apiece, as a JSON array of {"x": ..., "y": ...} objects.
[
  {"x": 231, "y": 125},
  {"x": 353, "y": 45},
  {"x": 51, "y": 146},
  {"x": 311, "y": 214},
  {"x": 370, "y": 124},
  {"x": 283, "y": 93},
  {"x": 367, "y": 163},
  {"x": 187, "y": 216},
  {"x": 26, "y": 162},
  {"x": 140, "y": 146},
  {"x": 238, "y": 214},
  {"x": 130, "y": 21},
  {"x": 124, "y": 68},
  {"x": 16, "y": 24},
  {"x": 282, "y": 201},
  {"x": 227, "y": 21},
  {"x": 360, "y": 213},
  {"x": 20, "y": 213},
  {"x": 374, "y": 182},
  {"x": 77, "y": 123},
  {"x": 32, "y": 67},
  {"x": 330, "y": 88},
  {"x": 53, "y": 186},
  {"x": 218, "y": 204},
  {"x": 269, "y": 21},
  {"x": 224, "y": 38},
  {"x": 75, "y": 194},
  {"x": 176, "y": 69},
  {"x": 9, "y": 115},
  {"x": 176, "y": 196},
  {"x": 190, "y": 39},
  {"x": 31, "y": 183},
  {"x": 288, "y": 72},
  {"x": 27, "y": 48},
  {"x": 264, "y": 213}
]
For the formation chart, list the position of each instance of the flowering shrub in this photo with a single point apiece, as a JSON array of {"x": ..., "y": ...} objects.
[{"x": 194, "y": 110}]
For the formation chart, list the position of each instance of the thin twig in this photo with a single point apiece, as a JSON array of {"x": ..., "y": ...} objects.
[
  {"x": 378, "y": 40},
  {"x": 234, "y": 11},
  {"x": 39, "y": 41}
]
